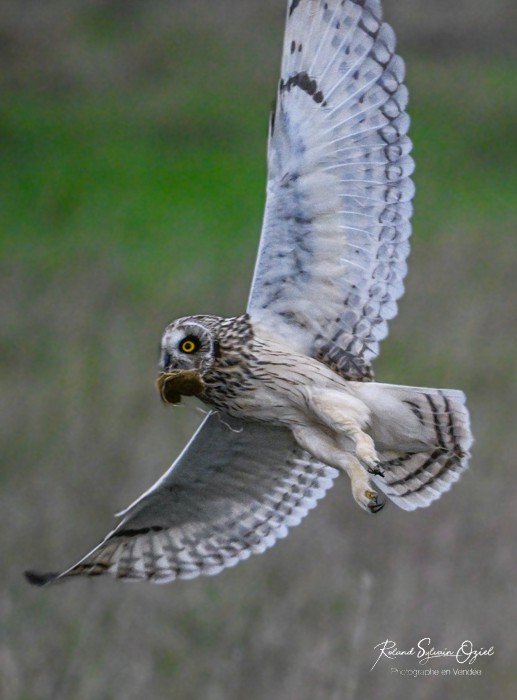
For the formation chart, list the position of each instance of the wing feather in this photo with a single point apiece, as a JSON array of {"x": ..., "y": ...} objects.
[
  {"x": 234, "y": 491},
  {"x": 334, "y": 241}
]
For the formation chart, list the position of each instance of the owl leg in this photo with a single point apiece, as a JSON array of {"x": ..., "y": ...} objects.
[
  {"x": 362, "y": 490},
  {"x": 325, "y": 449},
  {"x": 347, "y": 416}
]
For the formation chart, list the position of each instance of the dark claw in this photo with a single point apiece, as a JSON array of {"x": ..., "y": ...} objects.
[
  {"x": 377, "y": 471},
  {"x": 38, "y": 579},
  {"x": 375, "y": 506}
]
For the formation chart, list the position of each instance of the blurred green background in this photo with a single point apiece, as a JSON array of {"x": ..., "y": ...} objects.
[{"x": 133, "y": 139}]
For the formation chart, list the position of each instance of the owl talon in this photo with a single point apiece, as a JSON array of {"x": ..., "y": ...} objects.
[
  {"x": 376, "y": 470},
  {"x": 375, "y": 505}
]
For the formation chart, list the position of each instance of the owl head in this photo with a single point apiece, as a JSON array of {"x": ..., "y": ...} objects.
[{"x": 190, "y": 343}]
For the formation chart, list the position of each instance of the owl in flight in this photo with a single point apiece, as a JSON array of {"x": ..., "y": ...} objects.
[{"x": 289, "y": 383}]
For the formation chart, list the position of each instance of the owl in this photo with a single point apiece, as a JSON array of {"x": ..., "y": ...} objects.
[{"x": 289, "y": 385}]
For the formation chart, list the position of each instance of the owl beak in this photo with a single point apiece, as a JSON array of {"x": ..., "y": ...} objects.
[{"x": 166, "y": 362}]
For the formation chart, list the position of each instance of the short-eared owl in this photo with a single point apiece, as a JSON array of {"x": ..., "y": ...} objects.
[{"x": 289, "y": 382}]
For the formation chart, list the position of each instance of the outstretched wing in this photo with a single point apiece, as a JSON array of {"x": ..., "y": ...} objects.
[
  {"x": 236, "y": 488},
  {"x": 334, "y": 243}
]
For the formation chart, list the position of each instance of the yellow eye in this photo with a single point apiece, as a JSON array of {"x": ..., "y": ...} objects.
[{"x": 189, "y": 345}]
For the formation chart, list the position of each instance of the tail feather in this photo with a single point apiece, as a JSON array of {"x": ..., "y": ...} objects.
[
  {"x": 423, "y": 438},
  {"x": 416, "y": 480}
]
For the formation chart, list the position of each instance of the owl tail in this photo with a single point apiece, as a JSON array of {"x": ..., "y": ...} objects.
[{"x": 422, "y": 437}]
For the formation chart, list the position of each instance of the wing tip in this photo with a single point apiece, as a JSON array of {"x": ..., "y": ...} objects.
[{"x": 37, "y": 578}]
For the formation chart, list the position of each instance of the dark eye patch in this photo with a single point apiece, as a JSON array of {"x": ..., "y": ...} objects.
[{"x": 189, "y": 344}]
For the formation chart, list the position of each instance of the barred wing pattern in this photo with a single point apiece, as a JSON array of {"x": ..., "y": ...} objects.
[
  {"x": 236, "y": 488},
  {"x": 416, "y": 479},
  {"x": 334, "y": 242}
]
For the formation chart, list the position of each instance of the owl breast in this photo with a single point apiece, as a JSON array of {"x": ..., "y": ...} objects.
[
  {"x": 226, "y": 388},
  {"x": 254, "y": 376}
]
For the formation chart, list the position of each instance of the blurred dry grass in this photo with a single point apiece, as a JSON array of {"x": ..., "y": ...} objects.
[{"x": 83, "y": 432}]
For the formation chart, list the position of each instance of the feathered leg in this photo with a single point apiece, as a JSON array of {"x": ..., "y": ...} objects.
[
  {"x": 348, "y": 417},
  {"x": 330, "y": 450}
]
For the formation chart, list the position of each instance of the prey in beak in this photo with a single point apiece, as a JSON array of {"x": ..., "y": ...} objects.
[{"x": 182, "y": 382}]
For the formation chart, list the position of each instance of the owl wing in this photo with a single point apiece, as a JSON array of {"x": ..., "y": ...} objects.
[
  {"x": 236, "y": 488},
  {"x": 334, "y": 242}
]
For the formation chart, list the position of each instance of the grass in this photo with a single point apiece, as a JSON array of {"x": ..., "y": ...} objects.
[{"x": 85, "y": 182}]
